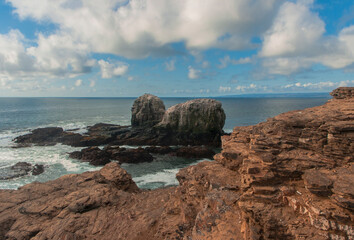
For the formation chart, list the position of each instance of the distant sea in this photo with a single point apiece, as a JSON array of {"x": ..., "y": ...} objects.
[{"x": 19, "y": 115}]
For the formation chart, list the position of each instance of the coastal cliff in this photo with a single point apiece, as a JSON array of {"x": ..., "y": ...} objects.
[{"x": 291, "y": 177}]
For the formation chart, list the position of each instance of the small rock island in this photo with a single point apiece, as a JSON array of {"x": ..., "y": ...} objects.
[{"x": 291, "y": 177}]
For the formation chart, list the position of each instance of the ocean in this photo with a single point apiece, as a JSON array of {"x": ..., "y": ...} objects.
[{"x": 19, "y": 115}]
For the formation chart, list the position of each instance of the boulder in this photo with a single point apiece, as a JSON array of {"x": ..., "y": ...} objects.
[
  {"x": 195, "y": 117},
  {"x": 147, "y": 110}
]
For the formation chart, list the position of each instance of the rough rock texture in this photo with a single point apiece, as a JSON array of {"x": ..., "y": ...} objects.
[
  {"x": 289, "y": 178},
  {"x": 20, "y": 169},
  {"x": 343, "y": 92},
  {"x": 197, "y": 122},
  {"x": 97, "y": 157},
  {"x": 195, "y": 116},
  {"x": 147, "y": 110}
]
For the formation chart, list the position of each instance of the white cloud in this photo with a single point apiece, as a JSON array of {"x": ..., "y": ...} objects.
[
  {"x": 115, "y": 69},
  {"x": 319, "y": 85},
  {"x": 297, "y": 40},
  {"x": 139, "y": 28},
  {"x": 193, "y": 73},
  {"x": 130, "y": 78},
  {"x": 225, "y": 61},
  {"x": 78, "y": 83},
  {"x": 54, "y": 56},
  {"x": 223, "y": 89},
  {"x": 170, "y": 65},
  {"x": 92, "y": 83}
]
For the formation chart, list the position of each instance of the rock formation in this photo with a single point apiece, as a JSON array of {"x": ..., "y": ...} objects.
[
  {"x": 196, "y": 122},
  {"x": 20, "y": 169},
  {"x": 291, "y": 177},
  {"x": 147, "y": 111}
]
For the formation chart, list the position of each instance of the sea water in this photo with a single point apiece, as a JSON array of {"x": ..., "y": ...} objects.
[{"x": 19, "y": 116}]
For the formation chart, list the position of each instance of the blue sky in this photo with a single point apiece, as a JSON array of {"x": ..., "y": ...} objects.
[{"x": 119, "y": 48}]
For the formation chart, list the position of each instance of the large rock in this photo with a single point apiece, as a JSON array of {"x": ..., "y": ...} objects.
[
  {"x": 195, "y": 116},
  {"x": 147, "y": 110}
]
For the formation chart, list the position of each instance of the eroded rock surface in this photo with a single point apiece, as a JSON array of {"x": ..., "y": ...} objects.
[
  {"x": 290, "y": 177},
  {"x": 196, "y": 122},
  {"x": 147, "y": 110}
]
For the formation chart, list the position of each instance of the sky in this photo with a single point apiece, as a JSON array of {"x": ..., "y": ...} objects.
[{"x": 176, "y": 48}]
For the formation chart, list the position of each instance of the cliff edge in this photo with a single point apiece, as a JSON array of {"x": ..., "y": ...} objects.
[{"x": 291, "y": 177}]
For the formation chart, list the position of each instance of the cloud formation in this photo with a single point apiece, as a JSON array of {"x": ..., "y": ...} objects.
[
  {"x": 297, "y": 40},
  {"x": 114, "y": 69}
]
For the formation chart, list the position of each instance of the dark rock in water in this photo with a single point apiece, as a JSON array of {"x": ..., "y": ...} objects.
[
  {"x": 196, "y": 122},
  {"x": 97, "y": 157},
  {"x": 20, "y": 169},
  {"x": 159, "y": 150},
  {"x": 37, "y": 169},
  {"x": 124, "y": 155},
  {"x": 41, "y": 136},
  {"x": 194, "y": 152},
  {"x": 147, "y": 111},
  {"x": 93, "y": 155}
]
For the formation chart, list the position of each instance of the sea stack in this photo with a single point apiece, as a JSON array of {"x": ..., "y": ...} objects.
[{"x": 147, "y": 111}]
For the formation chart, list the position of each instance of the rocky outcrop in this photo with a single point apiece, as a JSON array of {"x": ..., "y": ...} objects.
[
  {"x": 290, "y": 177},
  {"x": 196, "y": 122},
  {"x": 343, "y": 92},
  {"x": 99, "y": 157},
  {"x": 20, "y": 169},
  {"x": 147, "y": 111}
]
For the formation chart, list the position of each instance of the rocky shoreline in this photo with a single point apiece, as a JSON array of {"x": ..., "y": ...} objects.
[{"x": 291, "y": 177}]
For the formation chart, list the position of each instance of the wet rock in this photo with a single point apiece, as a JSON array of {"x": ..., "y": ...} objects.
[
  {"x": 194, "y": 152},
  {"x": 20, "y": 169},
  {"x": 41, "y": 136},
  {"x": 93, "y": 155},
  {"x": 37, "y": 169},
  {"x": 147, "y": 111},
  {"x": 159, "y": 150},
  {"x": 124, "y": 155}
]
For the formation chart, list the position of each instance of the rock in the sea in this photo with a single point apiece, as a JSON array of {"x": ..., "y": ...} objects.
[
  {"x": 20, "y": 169},
  {"x": 124, "y": 155},
  {"x": 94, "y": 155},
  {"x": 193, "y": 152},
  {"x": 147, "y": 111},
  {"x": 195, "y": 116}
]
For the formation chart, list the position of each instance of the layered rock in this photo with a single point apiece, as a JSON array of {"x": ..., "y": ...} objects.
[
  {"x": 147, "y": 111},
  {"x": 288, "y": 178}
]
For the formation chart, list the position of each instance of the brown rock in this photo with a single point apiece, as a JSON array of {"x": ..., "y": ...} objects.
[{"x": 271, "y": 181}]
